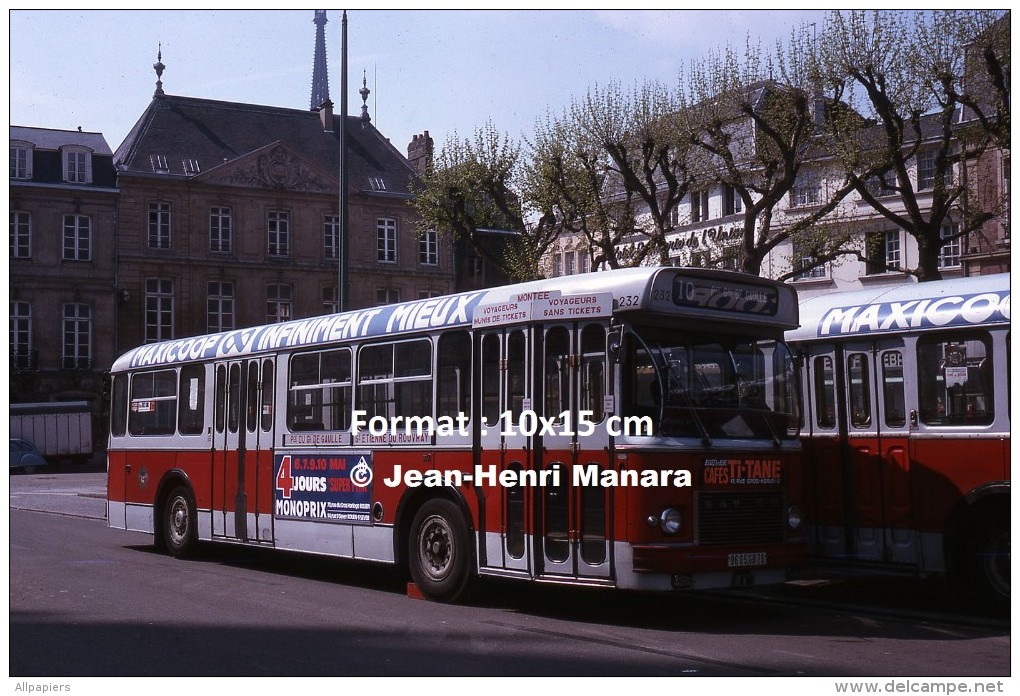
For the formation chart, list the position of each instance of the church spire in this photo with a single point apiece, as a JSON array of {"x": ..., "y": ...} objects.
[{"x": 320, "y": 80}]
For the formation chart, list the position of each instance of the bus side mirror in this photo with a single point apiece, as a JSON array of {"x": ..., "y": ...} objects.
[{"x": 613, "y": 342}]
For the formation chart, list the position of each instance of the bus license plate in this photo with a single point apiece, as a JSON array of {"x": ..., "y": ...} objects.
[{"x": 746, "y": 560}]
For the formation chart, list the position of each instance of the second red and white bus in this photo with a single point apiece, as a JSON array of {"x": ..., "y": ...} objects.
[
  {"x": 633, "y": 429},
  {"x": 907, "y": 418}
]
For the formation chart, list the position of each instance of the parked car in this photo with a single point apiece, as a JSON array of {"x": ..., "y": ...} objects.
[{"x": 25, "y": 457}]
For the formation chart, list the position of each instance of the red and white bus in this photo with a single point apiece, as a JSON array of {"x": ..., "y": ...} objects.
[
  {"x": 906, "y": 393},
  {"x": 632, "y": 428}
]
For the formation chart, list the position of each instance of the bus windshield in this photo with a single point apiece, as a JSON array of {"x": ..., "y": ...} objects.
[{"x": 711, "y": 386}]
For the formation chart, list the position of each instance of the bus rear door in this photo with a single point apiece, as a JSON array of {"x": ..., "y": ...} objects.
[{"x": 242, "y": 458}]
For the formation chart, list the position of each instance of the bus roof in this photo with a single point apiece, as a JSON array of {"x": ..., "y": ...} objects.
[
  {"x": 699, "y": 293},
  {"x": 906, "y": 306}
]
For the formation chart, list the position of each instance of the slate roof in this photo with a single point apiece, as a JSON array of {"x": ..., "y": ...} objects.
[
  {"x": 52, "y": 139},
  {"x": 214, "y": 132}
]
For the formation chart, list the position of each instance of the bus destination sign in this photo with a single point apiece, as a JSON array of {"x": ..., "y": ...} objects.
[{"x": 703, "y": 293}]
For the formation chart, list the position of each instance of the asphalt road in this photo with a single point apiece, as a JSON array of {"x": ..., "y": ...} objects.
[{"x": 86, "y": 600}]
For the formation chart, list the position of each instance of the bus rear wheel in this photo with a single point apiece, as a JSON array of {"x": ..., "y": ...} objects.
[
  {"x": 990, "y": 560},
  {"x": 439, "y": 551},
  {"x": 179, "y": 523}
]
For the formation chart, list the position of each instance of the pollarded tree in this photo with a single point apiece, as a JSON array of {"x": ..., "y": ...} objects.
[
  {"x": 614, "y": 168},
  {"x": 906, "y": 71},
  {"x": 566, "y": 178},
  {"x": 475, "y": 185},
  {"x": 763, "y": 137}
]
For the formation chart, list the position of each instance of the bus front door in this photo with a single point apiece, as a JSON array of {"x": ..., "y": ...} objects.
[
  {"x": 505, "y": 394},
  {"x": 573, "y": 512}
]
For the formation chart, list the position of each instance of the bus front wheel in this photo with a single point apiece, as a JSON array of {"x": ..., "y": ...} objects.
[
  {"x": 439, "y": 551},
  {"x": 179, "y": 523}
]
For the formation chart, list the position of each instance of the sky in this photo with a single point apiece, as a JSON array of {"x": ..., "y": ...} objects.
[{"x": 448, "y": 72}]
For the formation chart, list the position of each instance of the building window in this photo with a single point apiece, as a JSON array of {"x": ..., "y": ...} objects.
[
  {"x": 159, "y": 225},
  {"x": 21, "y": 235},
  {"x": 732, "y": 202},
  {"x": 808, "y": 266},
  {"x": 376, "y": 183},
  {"x": 949, "y": 254},
  {"x": 557, "y": 265},
  {"x": 582, "y": 261},
  {"x": 386, "y": 237},
  {"x": 699, "y": 206},
  {"x": 219, "y": 306},
  {"x": 21, "y": 335},
  {"x": 385, "y": 296},
  {"x": 279, "y": 303},
  {"x": 879, "y": 186},
  {"x": 21, "y": 162},
  {"x": 77, "y": 166},
  {"x": 77, "y": 238},
  {"x": 926, "y": 170},
  {"x": 159, "y": 309},
  {"x": 221, "y": 234},
  {"x": 190, "y": 166},
  {"x": 730, "y": 258},
  {"x": 77, "y": 336},
  {"x": 330, "y": 302},
  {"x": 279, "y": 234},
  {"x": 674, "y": 216},
  {"x": 428, "y": 248},
  {"x": 571, "y": 263},
  {"x": 883, "y": 252},
  {"x": 331, "y": 236},
  {"x": 807, "y": 190}
]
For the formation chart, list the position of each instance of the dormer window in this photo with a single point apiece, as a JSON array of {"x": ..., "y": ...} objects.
[
  {"x": 191, "y": 166},
  {"x": 159, "y": 164},
  {"x": 21, "y": 161},
  {"x": 377, "y": 183},
  {"x": 77, "y": 165}
]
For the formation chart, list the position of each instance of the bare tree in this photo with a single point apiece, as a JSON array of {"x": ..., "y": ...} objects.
[
  {"x": 905, "y": 72},
  {"x": 614, "y": 168},
  {"x": 474, "y": 185},
  {"x": 763, "y": 137},
  {"x": 566, "y": 177}
]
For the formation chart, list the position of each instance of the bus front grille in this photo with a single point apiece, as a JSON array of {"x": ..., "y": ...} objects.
[{"x": 739, "y": 518}]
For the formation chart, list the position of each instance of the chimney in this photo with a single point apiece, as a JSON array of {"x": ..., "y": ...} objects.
[
  {"x": 326, "y": 115},
  {"x": 420, "y": 152}
]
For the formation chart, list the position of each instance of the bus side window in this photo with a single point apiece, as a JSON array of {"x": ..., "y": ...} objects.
[
  {"x": 453, "y": 383},
  {"x": 557, "y": 372},
  {"x": 119, "y": 405},
  {"x": 267, "y": 396},
  {"x": 859, "y": 383},
  {"x": 412, "y": 383},
  {"x": 825, "y": 392},
  {"x": 954, "y": 385},
  {"x": 892, "y": 389},
  {"x": 490, "y": 378},
  {"x": 191, "y": 416},
  {"x": 516, "y": 368},
  {"x": 221, "y": 398},
  {"x": 593, "y": 371}
]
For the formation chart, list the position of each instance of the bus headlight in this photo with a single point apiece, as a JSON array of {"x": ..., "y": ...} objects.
[
  {"x": 794, "y": 518},
  {"x": 669, "y": 520}
]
